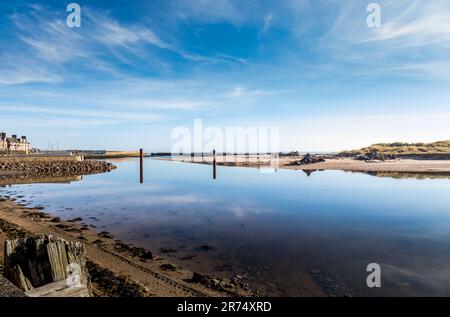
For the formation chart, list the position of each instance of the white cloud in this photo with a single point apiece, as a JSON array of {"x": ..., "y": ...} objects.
[
  {"x": 17, "y": 74},
  {"x": 67, "y": 112},
  {"x": 43, "y": 38},
  {"x": 204, "y": 10},
  {"x": 162, "y": 104},
  {"x": 419, "y": 24},
  {"x": 110, "y": 32},
  {"x": 243, "y": 92},
  {"x": 406, "y": 24}
]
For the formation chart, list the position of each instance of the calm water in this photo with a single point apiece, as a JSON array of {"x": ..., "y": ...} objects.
[{"x": 280, "y": 230}]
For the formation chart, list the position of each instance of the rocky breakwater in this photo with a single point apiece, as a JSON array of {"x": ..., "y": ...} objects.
[
  {"x": 58, "y": 168},
  {"x": 308, "y": 159},
  {"x": 374, "y": 156}
]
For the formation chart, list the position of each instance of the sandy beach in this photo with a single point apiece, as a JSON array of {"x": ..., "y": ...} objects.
[{"x": 344, "y": 164}]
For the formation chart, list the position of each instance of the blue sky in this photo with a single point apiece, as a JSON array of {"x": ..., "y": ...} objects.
[{"x": 137, "y": 69}]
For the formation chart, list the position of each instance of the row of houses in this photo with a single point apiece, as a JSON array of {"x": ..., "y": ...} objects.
[{"x": 14, "y": 144}]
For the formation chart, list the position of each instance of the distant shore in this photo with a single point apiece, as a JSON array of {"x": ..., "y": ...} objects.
[
  {"x": 405, "y": 165},
  {"x": 114, "y": 155}
]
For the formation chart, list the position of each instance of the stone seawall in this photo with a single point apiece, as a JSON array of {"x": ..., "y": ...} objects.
[
  {"x": 41, "y": 158},
  {"x": 54, "y": 168}
]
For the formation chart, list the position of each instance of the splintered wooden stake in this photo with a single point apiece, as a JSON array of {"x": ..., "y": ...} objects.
[{"x": 47, "y": 266}]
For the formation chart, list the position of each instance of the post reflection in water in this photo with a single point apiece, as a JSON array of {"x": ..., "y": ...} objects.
[
  {"x": 214, "y": 164},
  {"x": 141, "y": 161}
]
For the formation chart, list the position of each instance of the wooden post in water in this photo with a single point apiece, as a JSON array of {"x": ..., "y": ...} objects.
[
  {"x": 141, "y": 160},
  {"x": 214, "y": 164}
]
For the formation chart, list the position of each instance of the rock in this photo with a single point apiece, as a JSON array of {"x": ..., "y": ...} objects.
[
  {"x": 168, "y": 267},
  {"x": 106, "y": 234},
  {"x": 62, "y": 226},
  {"x": 308, "y": 159},
  {"x": 197, "y": 278},
  {"x": 167, "y": 250},
  {"x": 188, "y": 257},
  {"x": 146, "y": 255},
  {"x": 78, "y": 219},
  {"x": 205, "y": 247},
  {"x": 374, "y": 156},
  {"x": 121, "y": 246},
  {"x": 291, "y": 154},
  {"x": 56, "y": 219},
  {"x": 216, "y": 282},
  {"x": 141, "y": 253},
  {"x": 61, "y": 168}
]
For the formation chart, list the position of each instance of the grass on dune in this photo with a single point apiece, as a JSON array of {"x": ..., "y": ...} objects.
[{"x": 401, "y": 148}]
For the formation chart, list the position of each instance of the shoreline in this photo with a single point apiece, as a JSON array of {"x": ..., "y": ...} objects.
[
  {"x": 103, "y": 259},
  {"x": 399, "y": 165},
  {"x": 134, "y": 268},
  {"x": 113, "y": 261}
]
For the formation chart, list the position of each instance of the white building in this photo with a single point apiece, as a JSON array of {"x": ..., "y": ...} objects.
[{"x": 14, "y": 144}]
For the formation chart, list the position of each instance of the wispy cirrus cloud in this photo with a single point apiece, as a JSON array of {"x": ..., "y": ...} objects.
[
  {"x": 111, "y": 33},
  {"x": 241, "y": 92},
  {"x": 222, "y": 10},
  {"x": 412, "y": 38},
  {"x": 421, "y": 23},
  {"x": 66, "y": 113},
  {"x": 18, "y": 74},
  {"x": 48, "y": 46}
]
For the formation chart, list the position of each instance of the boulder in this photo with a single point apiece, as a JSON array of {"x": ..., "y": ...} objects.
[
  {"x": 374, "y": 156},
  {"x": 308, "y": 159}
]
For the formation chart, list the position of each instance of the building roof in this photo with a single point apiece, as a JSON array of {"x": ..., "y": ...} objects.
[{"x": 12, "y": 140}]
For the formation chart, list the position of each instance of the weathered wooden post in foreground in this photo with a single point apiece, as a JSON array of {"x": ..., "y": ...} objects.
[
  {"x": 214, "y": 164},
  {"x": 47, "y": 266},
  {"x": 141, "y": 159}
]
